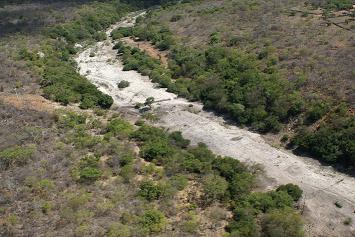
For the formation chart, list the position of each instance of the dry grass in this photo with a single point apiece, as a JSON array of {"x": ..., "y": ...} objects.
[{"x": 317, "y": 56}]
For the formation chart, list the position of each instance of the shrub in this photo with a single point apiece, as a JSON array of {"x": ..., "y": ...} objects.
[
  {"x": 176, "y": 18},
  {"x": 127, "y": 173},
  {"x": 62, "y": 83},
  {"x": 153, "y": 221},
  {"x": 282, "y": 223},
  {"x": 214, "y": 187},
  {"x": 119, "y": 230},
  {"x": 88, "y": 101},
  {"x": 100, "y": 36},
  {"x": 121, "y": 32},
  {"x": 347, "y": 221},
  {"x": 151, "y": 191},
  {"x": 177, "y": 139},
  {"x": 148, "y": 133},
  {"x": 291, "y": 189},
  {"x": 89, "y": 170},
  {"x": 338, "y": 204},
  {"x": 123, "y": 84},
  {"x": 105, "y": 101},
  {"x": 90, "y": 174},
  {"x": 316, "y": 112},
  {"x": 69, "y": 119},
  {"x": 156, "y": 150},
  {"x": 243, "y": 223},
  {"x": 215, "y": 38},
  {"x": 191, "y": 224},
  {"x": 264, "y": 202},
  {"x": 179, "y": 182},
  {"x": 17, "y": 155},
  {"x": 284, "y": 138},
  {"x": 119, "y": 127}
]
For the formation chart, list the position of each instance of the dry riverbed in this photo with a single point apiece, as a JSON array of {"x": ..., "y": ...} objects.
[{"x": 322, "y": 185}]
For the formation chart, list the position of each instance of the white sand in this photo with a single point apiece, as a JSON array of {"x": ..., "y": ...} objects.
[{"x": 322, "y": 185}]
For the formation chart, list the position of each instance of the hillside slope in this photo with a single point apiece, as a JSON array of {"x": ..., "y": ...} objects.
[
  {"x": 71, "y": 166},
  {"x": 276, "y": 67}
]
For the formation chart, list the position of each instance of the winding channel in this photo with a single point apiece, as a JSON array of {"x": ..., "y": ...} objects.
[{"x": 322, "y": 185}]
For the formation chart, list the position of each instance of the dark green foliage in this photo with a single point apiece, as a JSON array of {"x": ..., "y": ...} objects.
[
  {"x": 243, "y": 223},
  {"x": 148, "y": 133},
  {"x": 61, "y": 82},
  {"x": 156, "y": 150},
  {"x": 333, "y": 142},
  {"x": 291, "y": 189},
  {"x": 179, "y": 182},
  {"x": 233, "y": 82},
  {"x": 119, "y": 127},
  {"x": 338, "y": 204},
  {"x": 178, "y": 140},
  {"x": 121, "y": 32},
  {"x": 256, "y": 204},
  {"x": 317, "y": 111},
  {"x": 224, "y": 179},
  {"x": 105, "y": 101},
  {"x": 89, "y": 174},
  {"x": 151, "y": 191},
  {"x": 88, "y": 102},
  {"x": 69, "y": 119},
  {"x": 214, "y": 187},
  {"x": 333, "y": 4},
  {"x": 123, "y": 84},
  {"x": 282, "y": 223},
  {"x": 89, "y": 170},
  {"x": 153, "y": 221},
  {"x": 17, "y": 155}
]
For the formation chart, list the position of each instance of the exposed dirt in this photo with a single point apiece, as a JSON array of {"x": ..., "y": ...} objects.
[
  {"x": 29, "y": 101},
  {"x": 322, "y": 185},
  {"x": 148, "y": 49}
]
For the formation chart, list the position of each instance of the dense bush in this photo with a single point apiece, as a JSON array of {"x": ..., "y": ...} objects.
[
  {"x": 214, "y": 187},
  {"x": 61, "y": 82},
  {"x": 333, "y": 4},
  {"x": 333, "y": 142},
  {"x": 89, "y": 169},
  {"x": 282, "y": 223},
  {"x": 178, "y": 140},
  {"x": 225, "y": 80},
  {"x": 223, "y": 179},
  {"x": 233, "y": 82},
  {"x": 119, "y": 127},
  {"x": 123, "y": 84},
  {"x": 293, "y": 190},
  {"x": 153, "y": 221},
  {"x": 151, "y": 191},
  {"x": 17, "y": 155},
  {"x": 121, "y": 32}
]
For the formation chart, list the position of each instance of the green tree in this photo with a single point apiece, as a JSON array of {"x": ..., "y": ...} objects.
[
  {"x": 293, "y": 190},
  {"x": 151, "y": 191},
  {"x": 214, "y": 187},
  {"x": 282, "y": 223},
  {"x": 153, "y": 221}
]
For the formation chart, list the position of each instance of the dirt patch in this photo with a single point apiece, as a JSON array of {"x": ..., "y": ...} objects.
[
  {"x": 149, "y": 49},
  {"x": 29, "y": 102}
]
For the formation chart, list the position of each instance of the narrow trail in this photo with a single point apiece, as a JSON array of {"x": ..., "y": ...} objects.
[{"x": 322, "y": 185}]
